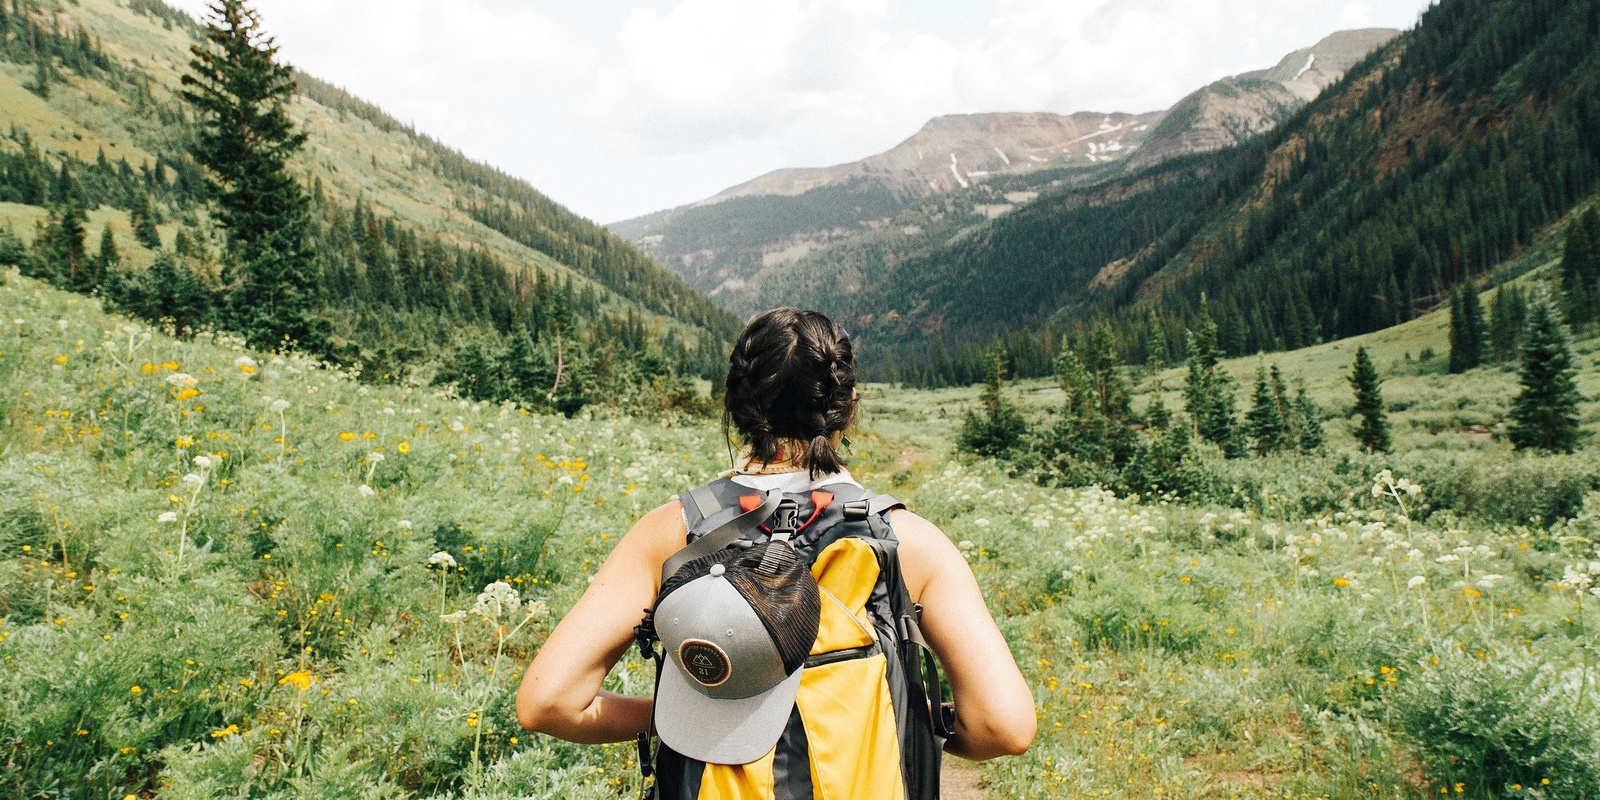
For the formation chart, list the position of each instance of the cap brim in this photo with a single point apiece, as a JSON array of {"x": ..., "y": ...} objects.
[{"x": 721, "y": 731}]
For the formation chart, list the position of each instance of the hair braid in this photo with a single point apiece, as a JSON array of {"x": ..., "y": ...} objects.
[{"x": 791, "y": 376}]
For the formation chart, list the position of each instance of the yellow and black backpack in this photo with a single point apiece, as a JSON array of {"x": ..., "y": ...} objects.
[{"x": 868, "y": 721}]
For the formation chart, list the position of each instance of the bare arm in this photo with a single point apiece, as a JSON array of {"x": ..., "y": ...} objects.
[
  {"x": 994, "y": 706},
  {"x": 560, "y": 693}
]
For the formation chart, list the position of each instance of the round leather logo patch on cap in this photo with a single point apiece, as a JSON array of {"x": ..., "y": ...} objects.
[{"x": 704, "y": 661}]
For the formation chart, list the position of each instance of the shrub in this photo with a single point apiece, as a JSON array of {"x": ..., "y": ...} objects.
[{"x": 1498, "y": 720}]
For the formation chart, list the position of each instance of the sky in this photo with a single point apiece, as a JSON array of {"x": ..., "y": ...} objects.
[{"x": 616, "y": 108}]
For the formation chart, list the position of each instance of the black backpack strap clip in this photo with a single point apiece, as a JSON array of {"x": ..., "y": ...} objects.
[{"x": 870, "y": 506}]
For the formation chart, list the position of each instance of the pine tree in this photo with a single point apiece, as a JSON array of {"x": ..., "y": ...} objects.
[
  {"x": 1077, "y": 385},
  {"x": 1110, "y": 389},
  {"x": 1578, "y": 253},
  {"x": 1545, "y": 413},
  {"x": 1157, "y": 417},
  {"x": 1265, "y": 418},
  {"x": 1466, "y": 329},
  {"x": 1208, "y": 394},
  {"x": 1506, "y": 319},
  {"x": 1308, "y": 421},
  {"x": 144, "y": 223},
  {"x": 102, "y": 264},
  {"x": 1580, "y": 268},
  {"x": 244, "y": 140},
  {"x": 1374, "y": 430},
  {"x": 41, "y": 77},
  {"x": 1001, "y": 426}
]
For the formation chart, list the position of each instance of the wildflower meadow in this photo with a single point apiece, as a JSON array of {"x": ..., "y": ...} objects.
[{"x": 227, "y": 573}]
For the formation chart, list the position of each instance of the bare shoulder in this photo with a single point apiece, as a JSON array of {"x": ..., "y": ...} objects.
[
  {"x": 925, "y": 550},
  {"x": 652, "y": 540},
  {"x": 665, "y": 520}
]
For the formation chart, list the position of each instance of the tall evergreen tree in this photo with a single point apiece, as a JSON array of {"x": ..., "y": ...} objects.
[
  {"x": 1578, "y": 255},
  {"x": 144, "y": 223},
  {"x": 102, "y": 264},
  {"x": 1545, "y": 413},
  {"x": 1507, "y": 316},
  {"x": 245, "y": 140},
  {"x": 1374, "y": 430},
  {"x": 1265, "y": 419},
  {"x": 1308, "y": 421},
  {"x": 1110, "y": 389},
  {"x": 1208, "y": 395},
  {"x": 1466, "y": 328},
  {"x": 1580, "y": 268},
  {"x": 41, "y": 76},
  {"x": 1000, "y": 426},
  {"x": 1077, "y": 385}
]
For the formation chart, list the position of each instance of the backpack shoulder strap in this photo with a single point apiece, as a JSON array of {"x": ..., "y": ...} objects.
[{"x": 722, "y": 535}]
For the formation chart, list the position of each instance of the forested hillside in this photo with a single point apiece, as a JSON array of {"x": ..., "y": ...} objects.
[
  {"x": 422, "y": 255},
  {"x": 1437, "y": 158}
]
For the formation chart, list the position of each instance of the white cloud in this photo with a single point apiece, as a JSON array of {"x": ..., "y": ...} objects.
[{"x": 622, "y": 114}]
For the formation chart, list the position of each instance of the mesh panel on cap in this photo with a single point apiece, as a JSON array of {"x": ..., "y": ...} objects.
[{"x": 787, "y": 603}]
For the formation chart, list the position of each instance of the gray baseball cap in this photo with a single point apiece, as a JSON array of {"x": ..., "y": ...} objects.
[{"x": 735, "y": 638}]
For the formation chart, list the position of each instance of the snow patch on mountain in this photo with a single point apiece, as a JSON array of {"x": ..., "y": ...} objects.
[{"x": 956, "y": 171}]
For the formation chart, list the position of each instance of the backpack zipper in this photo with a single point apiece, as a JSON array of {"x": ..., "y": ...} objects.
[{"x": 834, "y": 657}]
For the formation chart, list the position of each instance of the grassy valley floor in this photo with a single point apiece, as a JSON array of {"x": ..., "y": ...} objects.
[{"x": 215, "y": 581}]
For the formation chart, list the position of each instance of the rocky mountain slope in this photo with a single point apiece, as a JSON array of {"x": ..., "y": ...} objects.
[
  {"x": 1230, "y": 110},
  {"x": 986, "y": 164}
]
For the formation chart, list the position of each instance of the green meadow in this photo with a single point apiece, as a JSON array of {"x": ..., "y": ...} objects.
[{"x": 219, "y": 580}]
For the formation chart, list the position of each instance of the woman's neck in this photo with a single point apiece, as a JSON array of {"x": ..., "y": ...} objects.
[{"x": 787, "y": 459}]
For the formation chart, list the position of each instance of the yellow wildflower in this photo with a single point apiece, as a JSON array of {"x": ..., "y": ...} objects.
[{"x": 299, "y": 679}]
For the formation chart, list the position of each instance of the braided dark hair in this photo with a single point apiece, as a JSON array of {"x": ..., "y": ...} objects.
[{"x": 792, "y": 376}]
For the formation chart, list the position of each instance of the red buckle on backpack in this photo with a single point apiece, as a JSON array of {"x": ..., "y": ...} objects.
[{"x": 819, "y": 500}]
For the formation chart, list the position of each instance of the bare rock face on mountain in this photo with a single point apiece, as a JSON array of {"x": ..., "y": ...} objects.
[
  {"x": 1230, "y": 110},
  {"x": 954, "y": 151}
]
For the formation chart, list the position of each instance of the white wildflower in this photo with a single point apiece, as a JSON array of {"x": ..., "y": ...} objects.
[
  {"x": 454, "y": 617},
  {"x": 496, "y": 599},
  {"x": 374, "y": 457},
  {"x": 168, "y": 516},
  {"x": 203, "y": 462},
  {"x": 280, "y": 406},
  {"x": 537, "y": 609},
  {"x": 193, "y": 481},
  {"x": 1415, "y": 582},
  {"x": 443, "y": 559},
  {"x": 404, "y": 524},
  {"x": 245, "y": 361},
  {"x": 181, "y": 379},
  {"x": 365, "y": 490}
]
